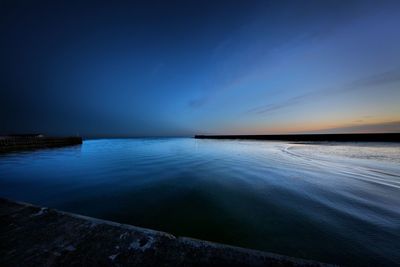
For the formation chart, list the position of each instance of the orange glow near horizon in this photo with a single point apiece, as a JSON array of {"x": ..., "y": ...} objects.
[{"x": 350, "y": 126}]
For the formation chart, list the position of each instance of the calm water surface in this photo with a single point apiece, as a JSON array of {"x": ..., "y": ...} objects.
[{"x": 338, "y": 203}]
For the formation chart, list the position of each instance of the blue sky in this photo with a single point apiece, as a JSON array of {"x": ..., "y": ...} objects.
[{"x": 155, "y": 68}]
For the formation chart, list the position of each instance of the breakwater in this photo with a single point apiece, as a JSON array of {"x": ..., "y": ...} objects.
[
  {"x": 367, "y": 137},
  {"x": 26, "y": 142},
  {"x": 38, "y": 236}
]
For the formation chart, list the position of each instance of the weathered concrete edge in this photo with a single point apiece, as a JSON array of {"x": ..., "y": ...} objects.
[
  {"x": 177, "y": 251},
  {"x": 190, "y": 241}
]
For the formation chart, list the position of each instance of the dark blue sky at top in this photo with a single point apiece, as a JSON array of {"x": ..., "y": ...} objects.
[{"x": 140, "y": 68}]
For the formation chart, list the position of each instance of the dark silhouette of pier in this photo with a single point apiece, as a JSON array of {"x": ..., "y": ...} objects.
[
  {"x": 362, "y": 137},
  {"x": 35, "y": 141}
]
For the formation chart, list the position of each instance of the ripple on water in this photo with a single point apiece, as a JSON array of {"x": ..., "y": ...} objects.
[{"x": 331, "y": 202}]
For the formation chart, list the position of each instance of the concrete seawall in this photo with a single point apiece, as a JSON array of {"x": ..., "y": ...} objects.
[
  {"x": 36, "y": 236},
  {"x": 367, "y": 137},
  {"x": 17, "y": 143}
]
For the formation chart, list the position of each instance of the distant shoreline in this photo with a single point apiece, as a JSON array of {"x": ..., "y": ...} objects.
[{"x": 364, "y": 137}]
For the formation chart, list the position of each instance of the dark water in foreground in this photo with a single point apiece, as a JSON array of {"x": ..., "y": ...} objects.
[{"x": 338, "y": 203}]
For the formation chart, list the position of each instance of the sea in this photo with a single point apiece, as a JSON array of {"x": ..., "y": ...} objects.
[{"x": 333, "y": 202}]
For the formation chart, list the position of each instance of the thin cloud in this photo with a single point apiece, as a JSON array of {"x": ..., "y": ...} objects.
[
  {"x": 199, "y": 102},
  {"x": 279, "y": 48},
  {"x": 387, "y": 127},
  {"x": 383, "y": 78},
  {"x": 391, "y": 76},
  {"x": 273, "y": 107}
]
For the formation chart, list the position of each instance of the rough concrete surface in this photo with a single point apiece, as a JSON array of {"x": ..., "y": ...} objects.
[{"x": 35, "y": 236}]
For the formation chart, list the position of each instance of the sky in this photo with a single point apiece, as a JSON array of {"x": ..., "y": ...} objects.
[{"x": 178, "y": 68}]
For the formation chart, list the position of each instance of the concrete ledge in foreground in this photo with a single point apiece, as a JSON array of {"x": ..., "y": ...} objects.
[{"x": 35, "y": 236}]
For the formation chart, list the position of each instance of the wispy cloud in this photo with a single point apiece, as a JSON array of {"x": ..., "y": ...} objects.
[
  {"x": 383, "y": 78},
  {"x": 195, "y": 103},
  {"x": 256, "y": 57},
  {"x": 391, "y": 76},
  {"x": 277, "y": 106},
  {"x": 367, "y": 128}
]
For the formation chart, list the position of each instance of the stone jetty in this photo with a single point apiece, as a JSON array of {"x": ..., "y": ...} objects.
[
  {"x": 361, "y": 137},
  {"x": 35, "y": 141}
]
